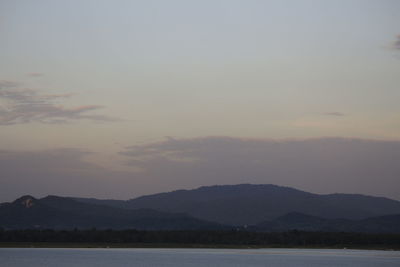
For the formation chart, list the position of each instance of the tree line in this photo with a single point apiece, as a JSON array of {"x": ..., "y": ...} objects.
[{"x": 292, "y": 238}]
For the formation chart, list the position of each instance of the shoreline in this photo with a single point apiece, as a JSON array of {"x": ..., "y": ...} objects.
[{"x": 178, "y": 246}]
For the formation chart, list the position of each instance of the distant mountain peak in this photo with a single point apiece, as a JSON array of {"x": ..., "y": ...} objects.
[
  {"x": 26, "y": 201},
  {"x": 53, "y": 197}
]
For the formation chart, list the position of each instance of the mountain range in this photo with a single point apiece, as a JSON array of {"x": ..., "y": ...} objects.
[
  {"x": 244, "y": 206},
  {"x": 251, "y": 204}
]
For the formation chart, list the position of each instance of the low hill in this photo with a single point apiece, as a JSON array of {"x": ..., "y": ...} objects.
[
  {"x": 54, "y": 212},
  {"x": 303, "y": 222}
]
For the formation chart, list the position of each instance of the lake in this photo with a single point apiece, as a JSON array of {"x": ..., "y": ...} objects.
[{"x": 12, "y": 257}]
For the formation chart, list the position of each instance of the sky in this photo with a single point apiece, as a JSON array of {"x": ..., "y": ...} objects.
[{"x": 117, "y": 99}]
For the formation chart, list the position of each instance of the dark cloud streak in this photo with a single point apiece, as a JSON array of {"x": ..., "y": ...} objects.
[
  {"x": 321, "y": 165},
  {"x": 334, "y": 113},
  {"x": 35, "y": 74},
  {"x": 7, "y": 84},
  {"x": 61, "y": 171},
  {"x": 396, "y": 43}
]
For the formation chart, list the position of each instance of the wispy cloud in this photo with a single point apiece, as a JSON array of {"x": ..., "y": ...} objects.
[
  {"x": 334, "y": 113},
  {"x": 24, "y": 105}
]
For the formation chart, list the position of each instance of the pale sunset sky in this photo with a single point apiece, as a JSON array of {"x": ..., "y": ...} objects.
[{"x": 116, "y": 99}]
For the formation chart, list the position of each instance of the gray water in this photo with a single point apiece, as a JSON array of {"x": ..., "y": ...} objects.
[{"x": 53, "y": 257}]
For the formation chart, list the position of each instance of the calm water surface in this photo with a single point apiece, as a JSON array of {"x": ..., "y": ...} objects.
[{"x": 53, "y": 257}]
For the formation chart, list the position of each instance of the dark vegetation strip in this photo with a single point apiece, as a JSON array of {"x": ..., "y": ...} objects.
[{"x": 209, "y": 239}]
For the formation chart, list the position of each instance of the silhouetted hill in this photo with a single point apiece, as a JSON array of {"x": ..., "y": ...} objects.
[
  {"x": 374, "y": 205},
  {"x": 303, "y": 222},
  {"x": 65, "y": 213},
  {"x": 380, "y": 224},
  {"x": 251, "y": 204}
]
